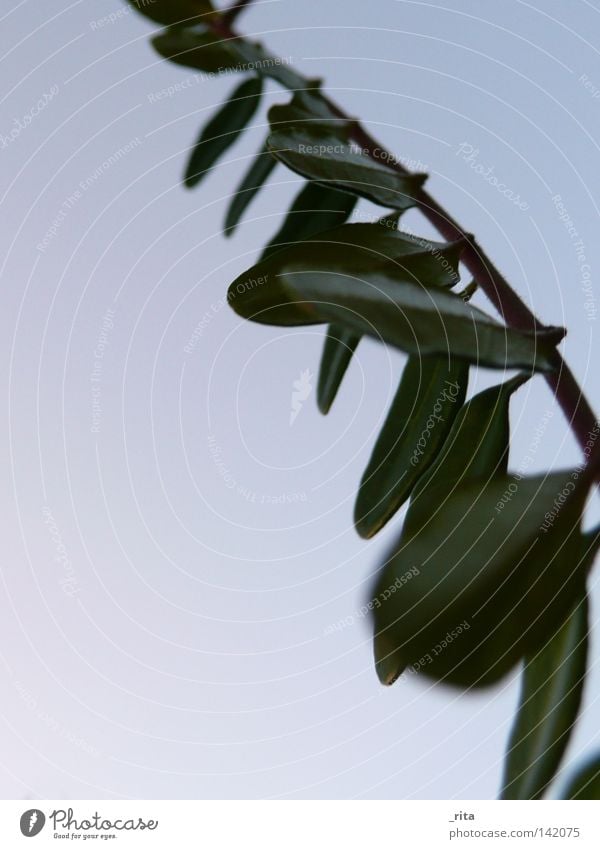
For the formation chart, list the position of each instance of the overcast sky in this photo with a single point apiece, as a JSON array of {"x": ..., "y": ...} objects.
[{"x": 175, "y": 551}]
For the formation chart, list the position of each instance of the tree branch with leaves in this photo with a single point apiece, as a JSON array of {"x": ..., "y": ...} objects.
[{"x": 499, "y": 563}]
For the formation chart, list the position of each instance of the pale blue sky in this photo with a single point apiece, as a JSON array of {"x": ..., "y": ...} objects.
[{"x": 164, "y": 615}]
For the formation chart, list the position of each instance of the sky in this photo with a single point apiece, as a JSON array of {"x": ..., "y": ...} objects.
[{"x": 181, "y": 582}]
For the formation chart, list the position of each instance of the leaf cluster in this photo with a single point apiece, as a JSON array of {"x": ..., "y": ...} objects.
[{"x": 498, "y": 562}]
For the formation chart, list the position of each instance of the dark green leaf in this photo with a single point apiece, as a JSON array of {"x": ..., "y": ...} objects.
[
  {"x": 388, "y": 662},
  {"x": 551, "y": 691},
  {"x": 323, "y": 151},
  {"x": 391, "y": 221},
  {"x": 340, "y": 344},
  {"x": 205, "y": 51},
  {"x": 365, "y": 246},
  {"x": 360, "y": 247},
  {"x": 428, "y": 399},
  {"x": 315, "y": 209},
  {"x": 497, "y": 570},
  {"x": 202, "y": 50},
  {"x": 223, "y": 130},
  {"x": 586, "y": 783},
  {"x": 252, "y": 182},
  {"x": 174, "y": 11},
  {"x": 307, "y": 105},
  {"x": 339, "y": 347},
  {"x": 417, "y": 317},
  {"x": 306, "y": 102},
  {"x": 477, "y": 447}
]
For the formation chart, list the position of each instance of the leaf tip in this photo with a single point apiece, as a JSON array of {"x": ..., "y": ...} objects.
[
  {"x": 389, "y": 665},
  {"x": 324, "y": 403},
  {"x": 365, "y": 528}
]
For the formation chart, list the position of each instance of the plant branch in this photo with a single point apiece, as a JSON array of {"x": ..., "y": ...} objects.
[{"x": 514, "y": 311}]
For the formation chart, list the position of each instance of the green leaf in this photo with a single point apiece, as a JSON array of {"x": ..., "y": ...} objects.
[
  {"x": 260, "y": 170},
  {"x": 340, "y": 344},
  {"x": 388, "y": 662},
  {"x": 223, "y": 130},
  {"x": 586, "y": 783},
  {"x": 252, "y": 182},
  {"x": 497, "y": 571},
  {"x": 359, "y": 247},
  {"x": 205, "y": 51},
  {"x": 338, "y": 350},
  {"x": 174, "y": 11},
  {"x": 430, "y": 394},
  {"x": 337, "y": 286},
  {"x": 307, "y": 105},
  {"x": 477, "y": 447},
  {"x": 366, "y": 246},
  {"x": 551, "y": 691},
  {"x": 323, "y": 151},
  {"x": 202, "y": 50},
  {"x": 315, "y": 209}
]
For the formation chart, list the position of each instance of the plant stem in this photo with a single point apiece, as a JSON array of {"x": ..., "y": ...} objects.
[{"x": 514, "y": 311}]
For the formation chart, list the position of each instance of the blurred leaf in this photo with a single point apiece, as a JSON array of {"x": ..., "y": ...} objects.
[
  {"x": 340, "y": 345},
  {"x": 495, "y": 577},
  {"x": 388, "y": 662},
  {"x": 202, "y": 50},
  {"x": 306, "y": 105},
  {"x": 586, "y": 782},
  {"x": 174, "y": 11},
  {"x": 551, "y": 691},
  {"x": 223, "y": 130},
  {"x": 324, "y": 152},
  {"x": 334, "y": 284},
  {"x": 430, "y": 394},
  {"x": 315, "y": 209},
  {"x": 252, "y": 182},
  {"x": 477, "y": 447},
  {"x": 211, "y": 53}
]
